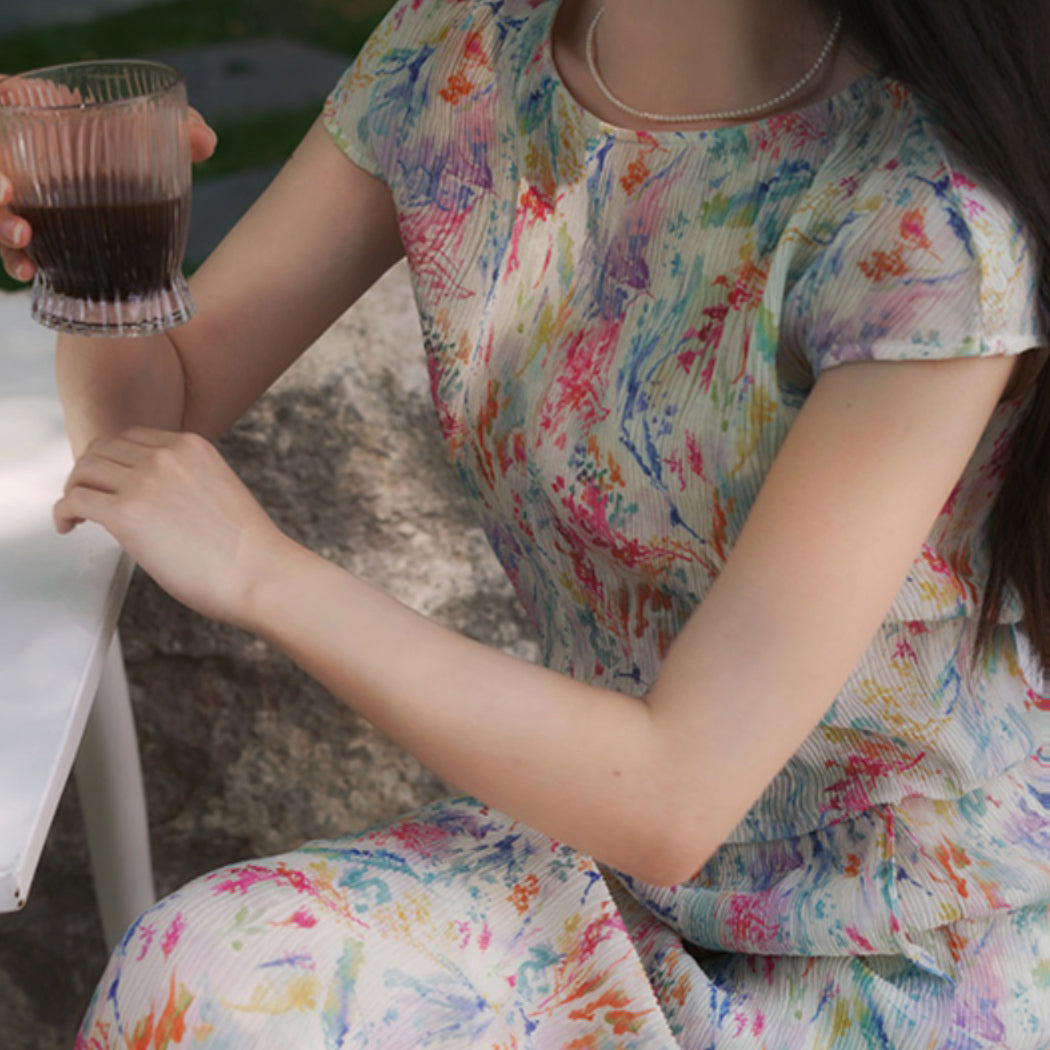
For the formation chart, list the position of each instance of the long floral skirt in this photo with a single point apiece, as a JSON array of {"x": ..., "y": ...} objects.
[{"x": 456, "y": 927}]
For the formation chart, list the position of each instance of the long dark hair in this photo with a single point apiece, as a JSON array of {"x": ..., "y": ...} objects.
[{"x": 984, "y": 67}]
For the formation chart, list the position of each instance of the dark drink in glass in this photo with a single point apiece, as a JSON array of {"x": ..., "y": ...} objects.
[{"x": 99, "y": 156}]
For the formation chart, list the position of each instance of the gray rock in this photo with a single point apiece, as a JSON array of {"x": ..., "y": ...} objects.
[{"x": 244, "y": 755}]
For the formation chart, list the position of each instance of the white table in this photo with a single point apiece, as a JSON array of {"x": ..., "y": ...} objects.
[{"x": 63, "y": 694}]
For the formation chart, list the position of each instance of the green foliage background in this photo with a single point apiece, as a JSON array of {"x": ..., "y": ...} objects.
[
  {"x": 336, "y": 25},
  {"x": 339, "y": 25}
]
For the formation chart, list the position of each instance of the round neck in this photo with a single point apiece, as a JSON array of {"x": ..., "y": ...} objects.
[{"x": 862, "y": 89}]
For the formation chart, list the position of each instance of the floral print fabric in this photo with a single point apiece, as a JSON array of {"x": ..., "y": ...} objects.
[
  {"x": 371, "y": 942},
  {"x": 620, "y": 328}
]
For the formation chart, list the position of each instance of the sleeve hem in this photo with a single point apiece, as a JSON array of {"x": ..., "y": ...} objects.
[
  {"x": 1002, "y": 345},
  {"x": 352, "y": 147}
]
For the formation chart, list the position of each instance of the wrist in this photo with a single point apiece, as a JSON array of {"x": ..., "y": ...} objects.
[
  {"x": 265, "y": 594},
  {"x": 108, "y": 385}
]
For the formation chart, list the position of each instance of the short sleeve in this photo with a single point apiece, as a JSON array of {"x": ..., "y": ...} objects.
[
  {"x": 381, "y": 91},
  {"x": 928, "y": 263}
]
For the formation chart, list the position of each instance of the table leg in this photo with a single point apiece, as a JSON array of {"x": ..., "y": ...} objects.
[{"x": 109, "y": 781}]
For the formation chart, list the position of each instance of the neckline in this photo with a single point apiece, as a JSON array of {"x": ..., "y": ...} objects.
[{"x": 824, "y": 110}]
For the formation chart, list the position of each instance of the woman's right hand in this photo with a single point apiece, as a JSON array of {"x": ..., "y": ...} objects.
[{"x": 15, "y": 233}]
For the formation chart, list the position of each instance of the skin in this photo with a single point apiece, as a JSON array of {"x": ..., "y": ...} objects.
[{"x": 873, "y": 455}]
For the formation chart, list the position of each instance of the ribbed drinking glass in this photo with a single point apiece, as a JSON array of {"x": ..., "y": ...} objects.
[{"x": 98, "y": 153}]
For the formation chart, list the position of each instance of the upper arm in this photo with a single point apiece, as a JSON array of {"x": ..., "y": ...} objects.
[
  {"x": 853, "y": 493},
  {"x": 322, "y": 233}
]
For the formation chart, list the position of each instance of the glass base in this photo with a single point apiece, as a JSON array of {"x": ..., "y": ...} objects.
[{"x": 138, "y": 315}]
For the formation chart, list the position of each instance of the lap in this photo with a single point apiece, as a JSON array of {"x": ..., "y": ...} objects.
[
  {"x": 715, "y": 1000},
  {"x": 457, "y": 927},
  {"x": 451, "y": 928}
]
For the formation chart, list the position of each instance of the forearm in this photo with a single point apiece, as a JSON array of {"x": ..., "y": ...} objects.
[
  {"x": 575, "y": 761},
  {"x": 107, "y": 385},
  {"x": 320, "y": 235},
  {"x": 651, "y": 787}
]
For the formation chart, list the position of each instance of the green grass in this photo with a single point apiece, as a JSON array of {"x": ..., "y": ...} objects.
[
  {"x": 256, "y": 140},
  {"x": 338, "y": 25}
]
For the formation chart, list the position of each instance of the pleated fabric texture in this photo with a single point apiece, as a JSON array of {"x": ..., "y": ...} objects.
[{"x": 621, "y": 327}]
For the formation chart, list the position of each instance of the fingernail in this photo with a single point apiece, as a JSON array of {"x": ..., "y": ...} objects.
[
  {"x": 14, "y": 231},
  {"x": 24, "y": 272}
]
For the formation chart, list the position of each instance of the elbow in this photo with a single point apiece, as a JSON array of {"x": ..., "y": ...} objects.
[
  {"x": 667, "y": 855},
  {"x": 666, "y": 873},
  {"x": 669, "y": 819},
  {"x": 661, "y": 837}
]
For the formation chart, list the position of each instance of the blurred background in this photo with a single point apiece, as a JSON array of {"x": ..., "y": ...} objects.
[
  {"x": 242, "y": 754},
  {"x": 256, "y": 69}
]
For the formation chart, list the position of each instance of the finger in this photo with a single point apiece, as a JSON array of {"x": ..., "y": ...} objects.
[
  {"x": 10, "y": 88},
  {"x": 14, "y": 231},
  {"x": 97, "y": 472},
  {"x": 15, "y": 234},
  {"x": 108, "y": 462},
  {"x": 121, "y": 448},
  {"x": 80, "y": 505},
  {"x": 17, "y": 264},
  {"x": 203, "y": 138},
  {"x": 36, "y": 91}
]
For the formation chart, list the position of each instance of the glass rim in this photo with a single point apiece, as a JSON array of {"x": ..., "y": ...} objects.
[{"x": 175, "y": 79}]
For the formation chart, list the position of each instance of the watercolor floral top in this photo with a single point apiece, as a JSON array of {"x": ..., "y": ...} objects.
[{"x": 621, "y": 327}]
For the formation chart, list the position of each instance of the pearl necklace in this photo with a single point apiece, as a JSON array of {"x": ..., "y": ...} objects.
[{"x": 729, "y": 114}]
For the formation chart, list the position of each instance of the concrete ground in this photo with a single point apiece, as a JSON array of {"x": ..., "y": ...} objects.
[
  {"x": 22, "y": 14},
  {"x": 255, "y": 76},
  {"x": 246, "y": 77}
]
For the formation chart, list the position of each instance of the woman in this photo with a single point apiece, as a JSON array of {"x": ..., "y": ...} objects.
[{"x": 729, "y": 337}]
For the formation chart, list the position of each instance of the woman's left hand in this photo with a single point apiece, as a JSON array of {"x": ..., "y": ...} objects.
[{"x": 179, "y": 511}]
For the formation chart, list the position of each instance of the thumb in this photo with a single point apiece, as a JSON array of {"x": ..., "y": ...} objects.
[{"x": 203, "y": 139}]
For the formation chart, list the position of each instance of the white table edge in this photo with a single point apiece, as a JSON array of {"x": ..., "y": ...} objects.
[{"x": 15, "y": 883}]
